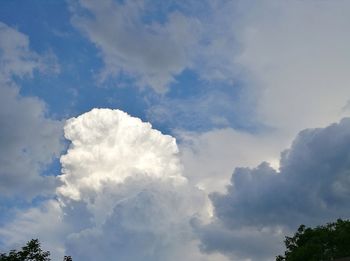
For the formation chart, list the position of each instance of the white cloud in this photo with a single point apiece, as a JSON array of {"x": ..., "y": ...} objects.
[
  {"x": 129, "y": 178},
  {"x": 123, "y": 189},
  {"x": 111, "y": 146}
]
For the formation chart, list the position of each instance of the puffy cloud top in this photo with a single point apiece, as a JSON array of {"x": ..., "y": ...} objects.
[
  {"x": 123, "y": 189},
  {"x": 111, "y": 146}
]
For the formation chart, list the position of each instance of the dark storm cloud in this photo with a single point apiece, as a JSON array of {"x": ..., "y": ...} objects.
[{"x": 312, "y": 187}]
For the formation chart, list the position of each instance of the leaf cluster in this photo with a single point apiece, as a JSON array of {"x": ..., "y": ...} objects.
[
  {"x": 30, "y": 252},
  {"x": 322, "y": 243}
]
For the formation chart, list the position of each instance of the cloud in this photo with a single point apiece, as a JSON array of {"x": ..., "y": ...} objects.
[
  {"x": 29, "y": 140},
  {"x": 110, "y": 146},
  {"x": 122, "y": 188},
  {"x": 151, "y": 53},
  {"x": 296, "y": 54},
  {"x": 153, "y": 43},
  {"x": 43, "y": 222},
  {"x": 245, "y": 243},
  {"x": 18, "y": 59},
  {"x": 194, "y": 113},
  {"x": 129, "y": 179},
  {"x": 312, "y": 187},
  {"x": 149, "y": 220},
  {"x": 277, "y": 57},
  {"x": 210, "y": 157},
  {"x": 292, "y": 63}
]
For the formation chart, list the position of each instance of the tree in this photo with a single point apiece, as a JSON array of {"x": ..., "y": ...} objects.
[
  {"x": 30, "y": 252},
  {"x": 321, "y": 243}
]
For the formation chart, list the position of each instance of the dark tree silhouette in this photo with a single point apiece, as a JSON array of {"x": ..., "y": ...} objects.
[
  {"x": 326, "y": 242},
  {"x": 30, "y": 252}
]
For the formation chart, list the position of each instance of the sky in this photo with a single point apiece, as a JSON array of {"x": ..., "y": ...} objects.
[{"x": 163, "y": 130}]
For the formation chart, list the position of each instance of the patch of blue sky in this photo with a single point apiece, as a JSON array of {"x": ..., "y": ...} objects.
[
  {"x": 198, "y": 105},
  {"x": 54, "y": 168}
]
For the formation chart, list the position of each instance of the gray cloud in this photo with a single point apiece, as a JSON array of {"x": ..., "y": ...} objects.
[
  {"x": 16, "y": 57},
  {"x": 29, "y": 140},
  {"x": 245, "y": 243},
  {"x": 152, "y": 54},
  {"x": 292, "y": 60},
  {"x": 149, "y": 221},
  {"x": 312, "y": 187}
]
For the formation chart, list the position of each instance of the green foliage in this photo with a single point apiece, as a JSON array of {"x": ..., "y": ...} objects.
[
  {"x": 30, "y": 252},
  {"x": 321, "y": 243}
]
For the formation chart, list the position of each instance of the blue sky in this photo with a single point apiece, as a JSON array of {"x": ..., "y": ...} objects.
[{"x": 237, "y": 94}]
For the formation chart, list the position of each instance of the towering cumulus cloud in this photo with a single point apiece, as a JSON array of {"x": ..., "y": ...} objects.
[
  {"x": 109, "y": 146},
  {"x": 121, "y": 196},
  {"x": 123, "y": 190}
]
